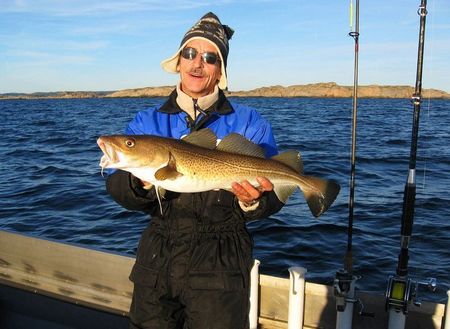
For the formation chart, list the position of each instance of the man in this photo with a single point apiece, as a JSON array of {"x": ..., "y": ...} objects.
[{"x": 193, "y": 261}]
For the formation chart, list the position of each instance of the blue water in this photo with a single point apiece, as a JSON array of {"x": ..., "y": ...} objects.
[{"x": 51, "y": 187}]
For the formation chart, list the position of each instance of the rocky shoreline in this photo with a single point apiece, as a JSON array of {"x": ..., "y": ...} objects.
[{"x": 319, "y": 90}]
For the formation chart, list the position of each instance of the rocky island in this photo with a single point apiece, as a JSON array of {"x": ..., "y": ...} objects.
[{"x": 327, "y": 89}]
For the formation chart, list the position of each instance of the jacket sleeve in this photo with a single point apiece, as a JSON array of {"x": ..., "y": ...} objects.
[
  {"x": 259, "y": 131},
  {"x": 127, "y": 191},
  {"x": 268, "y": 205}
]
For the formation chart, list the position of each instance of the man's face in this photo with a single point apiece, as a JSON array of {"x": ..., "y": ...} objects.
[{"x": 197, "y": 77}]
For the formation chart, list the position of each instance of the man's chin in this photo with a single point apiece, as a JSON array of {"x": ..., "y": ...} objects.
[{"x": 196, "y": 91}]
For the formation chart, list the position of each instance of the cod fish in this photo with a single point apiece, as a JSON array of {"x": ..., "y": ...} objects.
[{"x": 197, "y": 163}]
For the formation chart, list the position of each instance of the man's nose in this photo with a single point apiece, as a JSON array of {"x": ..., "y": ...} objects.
[{"x": 198, "y": 61}]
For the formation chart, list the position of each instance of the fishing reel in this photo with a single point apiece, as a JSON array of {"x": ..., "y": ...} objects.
[
  {"x": 341, "y": 287},
  {"x": 344, "y": 287},
  {"x": 402, "y": 290}
]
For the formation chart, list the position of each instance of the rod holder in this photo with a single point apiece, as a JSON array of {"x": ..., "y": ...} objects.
[
  {"x": 296, "y": 297},
  {"x": 447, "y": 312},
  {"x": 254, "y": 295}
]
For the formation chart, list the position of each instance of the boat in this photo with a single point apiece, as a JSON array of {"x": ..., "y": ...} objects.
[{"x": 53, "y": 285}]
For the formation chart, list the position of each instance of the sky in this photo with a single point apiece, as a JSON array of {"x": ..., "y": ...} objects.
[{"x": 93, "y": 45}]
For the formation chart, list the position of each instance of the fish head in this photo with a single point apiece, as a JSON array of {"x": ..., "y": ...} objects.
[{"x": 126, "y": 152}]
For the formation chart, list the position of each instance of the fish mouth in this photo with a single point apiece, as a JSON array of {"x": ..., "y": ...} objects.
[{"x": 109, "y": 157}]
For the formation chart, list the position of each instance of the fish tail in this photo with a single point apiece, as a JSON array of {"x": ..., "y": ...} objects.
[{"x": 320, "y": 194}]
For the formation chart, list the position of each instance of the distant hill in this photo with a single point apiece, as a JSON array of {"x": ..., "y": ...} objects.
[
  {"x": 327, "y": 89},
  {"x": 144, "y": 92},
  {"x": 57, "y": 94},
  {"x": 333, "y": 90}
]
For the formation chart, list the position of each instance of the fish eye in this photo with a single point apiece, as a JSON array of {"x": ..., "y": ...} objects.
[{"x": 130, "y": 142}]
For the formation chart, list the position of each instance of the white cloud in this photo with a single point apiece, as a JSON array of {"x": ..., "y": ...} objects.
[
  {"x": 95, "y": 7},
  {"x": 32, "y": 58},
  {"x": 83, "y": 46}
]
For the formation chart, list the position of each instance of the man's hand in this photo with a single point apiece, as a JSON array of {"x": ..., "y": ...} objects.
[
  {"x": 249, "y": 194},
  {"x": 146, "y": 185}
]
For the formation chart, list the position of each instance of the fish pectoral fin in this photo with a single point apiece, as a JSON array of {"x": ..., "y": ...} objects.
[
  {"x": 291, "y": 159},
  {"x": 321, "y": 195},
  {"x": 169, "y": 171},
  {"x": 283, "y": 192},
  {"x": 238, "y": 144}
]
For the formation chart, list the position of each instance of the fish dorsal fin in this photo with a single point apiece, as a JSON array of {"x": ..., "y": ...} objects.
[
  {"x": 238, "y": 144},
  {"x": 169, "y": 171},
  {"x": 203, "y": 138},
  {"x": 291, "y": 159}
]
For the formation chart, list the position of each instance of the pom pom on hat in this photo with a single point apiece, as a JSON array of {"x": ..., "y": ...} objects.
[{"x": 211, "y": 29}]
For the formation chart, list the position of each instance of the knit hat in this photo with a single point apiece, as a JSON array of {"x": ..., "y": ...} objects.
[{"x": 208, "y": 28}]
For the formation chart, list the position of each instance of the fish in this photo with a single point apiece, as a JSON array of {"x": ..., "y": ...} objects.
[{"x": 198, "y": 163}]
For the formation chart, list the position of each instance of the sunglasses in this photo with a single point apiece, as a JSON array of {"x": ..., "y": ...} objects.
[{"x": 207, "y": 57}]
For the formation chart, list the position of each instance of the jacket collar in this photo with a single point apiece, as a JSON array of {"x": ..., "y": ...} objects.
[{"x": 221, "y": 107}]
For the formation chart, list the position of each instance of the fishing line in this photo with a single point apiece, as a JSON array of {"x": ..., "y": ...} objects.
[
  {"x": 354, "y": 33},
  {"x": 428, "y": 106},
  {"x": 427, "y": 149},
  {"x": 351, "y": 15}
]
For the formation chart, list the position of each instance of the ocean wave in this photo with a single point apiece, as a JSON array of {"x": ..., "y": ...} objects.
[{"x": 51, "y": 187}]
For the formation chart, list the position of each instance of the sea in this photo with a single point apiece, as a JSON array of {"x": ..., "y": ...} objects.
[{"x": 51, "y": 185}]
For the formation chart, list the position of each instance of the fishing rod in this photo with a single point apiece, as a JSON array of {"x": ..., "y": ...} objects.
[
  {"x": 401, "y": 289},
  {"x": 348, "y": 262},
  {"x": 344, "y": 282}
]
